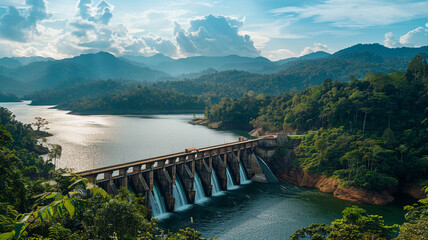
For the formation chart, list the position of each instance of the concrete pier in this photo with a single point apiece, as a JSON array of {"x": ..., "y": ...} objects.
[{"x": 140, "y": 175}]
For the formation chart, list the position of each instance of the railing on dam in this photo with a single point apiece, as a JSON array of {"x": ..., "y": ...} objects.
[{"x": 162, "y": 172}]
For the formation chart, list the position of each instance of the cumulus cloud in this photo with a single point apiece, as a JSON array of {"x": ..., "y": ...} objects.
[
  {"x": 160, "y": 45},
  {"x": 214, "y": 36},
  {"x": 84, "y": 7},
  {"x": 17, "y": 26},
  {"x": 316, "y": 48},
  {"x": 91, "y": 30},
  {"x": 415, "y": 38},
  {"x": 101, "y": 13},
  {"x": 92, "y": 33},
  {"x": 390, "y": 40}
]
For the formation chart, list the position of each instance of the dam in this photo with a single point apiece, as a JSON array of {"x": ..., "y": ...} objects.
[{"x": 172, "y": 181}]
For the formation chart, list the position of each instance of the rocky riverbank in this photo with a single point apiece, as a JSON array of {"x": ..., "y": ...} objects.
[
  {"x": 206, "y": 122},
  {"x": 219, "y": 125},
  {"x": 326, "y": 184}
]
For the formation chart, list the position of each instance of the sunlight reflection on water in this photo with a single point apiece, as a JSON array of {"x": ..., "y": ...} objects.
[{"x": 102, "y": 140}]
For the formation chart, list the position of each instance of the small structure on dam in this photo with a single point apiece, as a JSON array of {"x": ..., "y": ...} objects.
[{"x": 171, "y": 181}]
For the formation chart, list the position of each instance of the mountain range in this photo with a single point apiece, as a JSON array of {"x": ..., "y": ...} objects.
[
  {"x": 21, "y": 75},
  {"x": 45, "y": 74}
]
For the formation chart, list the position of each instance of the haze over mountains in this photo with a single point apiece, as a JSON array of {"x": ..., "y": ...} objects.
[{"x": 22, "y": 75}]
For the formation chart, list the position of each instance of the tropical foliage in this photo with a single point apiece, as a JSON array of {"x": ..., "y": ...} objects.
[
  {"x": 73, "y": 92},
  {"x": 8, "y": 97},
  {"x": 356, "y": 224},
  {"x": 137, "y": 100},
  {"x": 37, "y": 202},
  {"x": 237, "y": 113},
  {"x": 370, "y": 133}
]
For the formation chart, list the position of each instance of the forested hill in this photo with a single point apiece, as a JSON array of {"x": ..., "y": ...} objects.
[
  {"x": 39, "y": 202},
  {"x": 239, "y": 74},
  {"x": 233, "y": 83},
  {"x": 8, "y": 97},
  {"x": 296, "y": 75},
  {"x": 137, "y": 100},
  {"x": 78, "y": 91},
  {"x": 46, "y": 74},
  {"x": 370, "y": 133},
  {"x": 19, "y": 164}
]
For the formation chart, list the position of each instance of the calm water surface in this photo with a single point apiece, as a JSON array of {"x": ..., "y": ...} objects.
[
  {"x": 253, "y": 211},
  {"x": 102, "y": 140}
]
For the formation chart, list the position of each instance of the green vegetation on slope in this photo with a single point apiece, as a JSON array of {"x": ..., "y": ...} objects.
[
  {"x": 83, "y": 90},
  {"x": 65, "y": 207},
  {"x": 8, "y": 97},
  {"x": 237, "y": 113},
  {"x": 369, "y": 133},
  {"x": 356, "y": 224},
  {"x": 291, "y": 76},
  {"x": 137, "y": 100},
  {"x": 21, "y": 168}
]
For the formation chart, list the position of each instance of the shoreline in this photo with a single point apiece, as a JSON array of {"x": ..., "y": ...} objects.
[
  {"x": 123, "y": 112},
  {"x": 353, "y": 194},
  {"x": 135, "y": 113},
  {"x": 293, "y": 176},
  {"x": 218, "y": 125}
]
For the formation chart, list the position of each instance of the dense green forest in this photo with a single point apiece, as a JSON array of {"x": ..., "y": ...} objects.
[
  {"x": 77, "y": 91},
  {"x": 356, "y": 224},
  {"x": 66, "y": 206},
  {"x": 233, "y": 83},
  {"x": 137, "y": 100},
  {"x": 8, "y": 97},
  {"x": 238, "y": 113},
  {"x": 70, "y": 207},
  {"x": 288, "y": 75},
  {"x": 341, "y": 66},
  {"x": 370, "y": 133},
  {"x": 295, "y": 76}
]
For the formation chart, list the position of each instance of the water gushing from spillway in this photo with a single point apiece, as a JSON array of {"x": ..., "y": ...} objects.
[
  {"x": 266, "y": 170},
  {"x": 157, "y": 201},
  {"x": 179, "y": 194},
  {"x": 199, "y": 190},
  {"x": 243, "y": 175},
  {"x": 230, "y": 184},
  {"x": 214, "y": 181}
]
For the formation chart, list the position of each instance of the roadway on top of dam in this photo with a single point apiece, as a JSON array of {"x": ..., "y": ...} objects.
[{"x": 164, "y": 157}]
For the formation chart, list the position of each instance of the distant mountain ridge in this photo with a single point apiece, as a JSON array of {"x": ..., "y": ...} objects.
[
  {"x": 357, "y": 61},
  {"x": 14, "y": 62},
  {"x": 201, "y": 63},
  {"x": 16, "y": 76},
  {"x": 297, "y": 74},
  {"x": 314, "y": 55},
  {"x": 263, "y": 65},
  {"x": 381, "y": 50},
  {"x": 102, "y": 65},
  {"x": 9, "y": 62}
]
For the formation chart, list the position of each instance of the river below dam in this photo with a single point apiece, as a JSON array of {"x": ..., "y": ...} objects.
[{"x": 250, "y": 211}]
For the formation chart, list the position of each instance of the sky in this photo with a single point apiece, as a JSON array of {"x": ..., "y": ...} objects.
[{"x": 275, "y": 29}]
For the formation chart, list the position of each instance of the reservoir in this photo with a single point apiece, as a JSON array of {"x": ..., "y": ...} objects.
[
  {"x": 102, "y": 140},
  {"x": 251, "y": 211}
]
